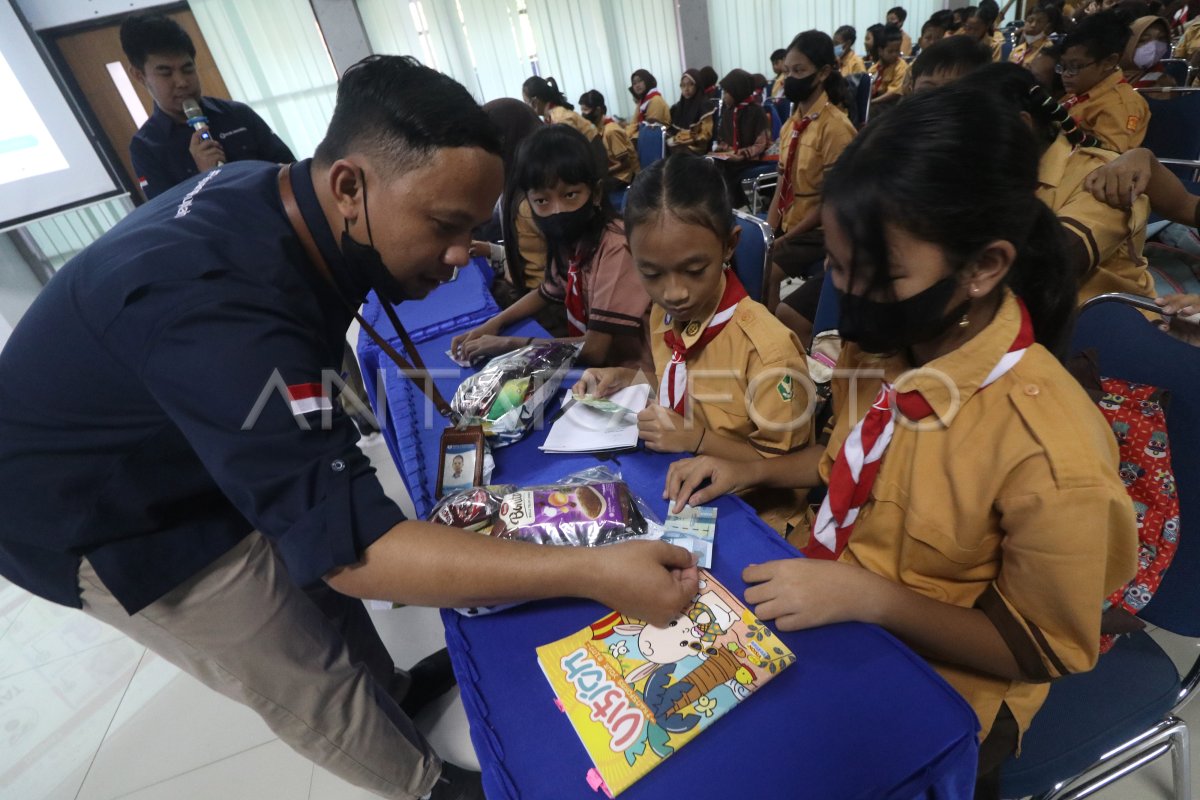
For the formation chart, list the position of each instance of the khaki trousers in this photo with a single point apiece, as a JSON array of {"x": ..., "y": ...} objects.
[{"x": 243, "y": 629}]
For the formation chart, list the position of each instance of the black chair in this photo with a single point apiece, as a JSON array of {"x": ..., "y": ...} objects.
[
  {"x": 860, "y": 84},
  {"x": 1098, "y": 726},
  {"x": 1177, "y": 68}
]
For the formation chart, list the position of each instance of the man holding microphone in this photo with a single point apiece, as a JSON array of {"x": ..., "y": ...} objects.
[{"x": 187, "y": 134}]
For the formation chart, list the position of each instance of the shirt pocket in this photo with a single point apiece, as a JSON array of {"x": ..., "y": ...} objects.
[{"x": 950, "y": 540}]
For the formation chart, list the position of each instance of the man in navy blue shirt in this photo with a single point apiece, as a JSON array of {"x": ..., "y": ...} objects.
[
  {"x": 144, "y": 478},
  {"x": 166, "y": 150}
]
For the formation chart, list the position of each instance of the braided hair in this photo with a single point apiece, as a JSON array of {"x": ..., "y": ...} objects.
[
  {"x": 1020, "y": 88},
  {"x": 1057, "y": 113}
]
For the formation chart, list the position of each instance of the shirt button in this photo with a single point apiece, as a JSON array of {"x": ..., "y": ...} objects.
[
  {"x": 338, "y": 465},
  {"x": 1031, "y": 390}
]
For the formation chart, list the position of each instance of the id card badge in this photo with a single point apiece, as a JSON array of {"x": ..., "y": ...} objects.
[{"x": 461, "y": 459}]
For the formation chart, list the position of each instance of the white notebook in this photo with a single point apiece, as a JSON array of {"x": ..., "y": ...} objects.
[{"x": 583, "y": 429}]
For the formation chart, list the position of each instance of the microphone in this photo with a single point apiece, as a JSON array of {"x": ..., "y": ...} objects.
[{"x": 197, "y": 121}]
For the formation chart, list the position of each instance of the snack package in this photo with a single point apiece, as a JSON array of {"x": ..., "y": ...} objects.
[
  {"x": 586, "y": 509},
  {"x": 590, "y": 508},
  {"x": 507, "y": 394}
]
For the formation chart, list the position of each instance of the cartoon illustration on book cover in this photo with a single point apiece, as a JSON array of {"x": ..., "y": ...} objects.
[{"x": 636, "y": 693}]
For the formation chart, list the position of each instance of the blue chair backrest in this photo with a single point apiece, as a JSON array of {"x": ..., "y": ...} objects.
[
  {"x": 862, "y": 97},
  {"x": 651, "y": 143},
  {"x": 617, "y": 199},
  {"x": 1177, "y": 68},
  {"x": 753, "y": 250},
  {"x": 1135, "y": 350},
  {"x": 828, "y": 308},
  {"x": 1174, "y": 129},
  {"x": 1006, "y": 48},
  {"x": 782, "y": 106},
  {"x": 776, "y": 121}
]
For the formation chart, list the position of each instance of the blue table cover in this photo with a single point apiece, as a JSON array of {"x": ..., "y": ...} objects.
[{"x": 858, "y": 715}]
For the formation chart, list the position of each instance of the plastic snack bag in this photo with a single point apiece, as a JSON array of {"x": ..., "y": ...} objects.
[
  {"x": 507, "y": 395},
  {"x": 590, "y": 508}
]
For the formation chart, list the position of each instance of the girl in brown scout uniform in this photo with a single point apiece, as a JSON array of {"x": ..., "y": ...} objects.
[{"x": 731, "y": 380}]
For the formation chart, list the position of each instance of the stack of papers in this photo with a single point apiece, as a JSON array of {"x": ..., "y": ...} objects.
[
  {"x": 594, "y": 425},
  {"x": 695, "y": 530}
]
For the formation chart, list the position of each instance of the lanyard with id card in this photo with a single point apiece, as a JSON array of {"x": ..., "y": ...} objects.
[{"x": 461, "y": 457}]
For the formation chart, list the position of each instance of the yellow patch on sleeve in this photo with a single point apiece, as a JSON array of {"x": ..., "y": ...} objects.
[{"x": 1131, "y": 123}]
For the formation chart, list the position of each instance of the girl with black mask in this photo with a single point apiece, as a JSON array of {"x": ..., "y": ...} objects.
[
  {"x": 974, "y": 508},
  {"x": 809, "y": 143},
  {"x": 589, "y": 269}
]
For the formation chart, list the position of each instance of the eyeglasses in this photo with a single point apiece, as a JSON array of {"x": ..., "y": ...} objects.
[{"x": 1073, "y": 69}]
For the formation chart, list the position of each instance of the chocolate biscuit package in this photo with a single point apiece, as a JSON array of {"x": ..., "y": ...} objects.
[{"x": 585, "y": 509}]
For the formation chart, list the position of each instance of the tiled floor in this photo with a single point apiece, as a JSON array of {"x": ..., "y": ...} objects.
[{"x": 86, "y": 714}]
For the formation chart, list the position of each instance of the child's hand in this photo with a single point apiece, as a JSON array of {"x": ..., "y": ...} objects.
[
  {"x": 458, "y": 343},
  {"x": 486, "y": 346},
  {"x": 603, "y": 381},
  {"x": 1120, "y": 182},
  {"x": 664, "y": 431},
  {"x": 1183, "y": 325},
  {"x": 800, "y": 593},
  {"x": 725, "y": 477}
]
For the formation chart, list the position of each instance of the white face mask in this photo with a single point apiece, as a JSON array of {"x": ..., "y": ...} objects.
[
  {"x": 1030, "y": 38},
  {"x": 1150, "y": 53}
]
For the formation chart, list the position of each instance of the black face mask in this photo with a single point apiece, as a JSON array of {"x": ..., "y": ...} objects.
[
  {"x": 566, "y": 227},
  {"x": 797, "y": 90},
  {"x": 879, "y": 327},
  {"x": 366, "y": 259}
]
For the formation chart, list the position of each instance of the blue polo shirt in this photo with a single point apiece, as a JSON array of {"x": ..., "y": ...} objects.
[
  {"x": 160, "y": 154},
  {"x": 144, "y": 419}
]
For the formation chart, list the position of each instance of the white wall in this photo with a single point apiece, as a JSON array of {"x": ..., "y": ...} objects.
[
  {"x": 18, "y": 287},
  {"x": 43, "y": 14}
]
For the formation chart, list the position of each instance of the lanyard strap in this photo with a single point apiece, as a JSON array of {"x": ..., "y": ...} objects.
[{"x": 418, "y": 374}]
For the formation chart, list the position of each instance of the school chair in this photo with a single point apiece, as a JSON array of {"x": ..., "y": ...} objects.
[
  {"x": 860, "y": 84},
  {"x": 782, "y": 105},
  {"x": 776, "y": 120},
  {"x": 1173, "y": 134},
  {"x": 758, "y": 181},
  {"x": 1177, "y": 68},
  {"x": 1099, "y": 726},
  {"x": 753, "y": 253},
  {"x": 617, "y": 199},
  {"x": 651, "y": 143}
]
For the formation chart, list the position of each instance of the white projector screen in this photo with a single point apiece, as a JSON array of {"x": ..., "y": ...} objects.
[{"x": 47, "y": 160}]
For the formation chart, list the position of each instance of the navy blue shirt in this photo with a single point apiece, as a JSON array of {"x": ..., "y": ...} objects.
[
  {"x": 160, "y": 153},
  {"x": 129, "y": 431}
]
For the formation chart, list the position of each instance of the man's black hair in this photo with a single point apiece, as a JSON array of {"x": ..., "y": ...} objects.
[
  {"x": 399, "y": 112},
  {"x": 778, "y": 55},
  {"x": 144, "y": 35},
  {"x": 900, "y": 13}
]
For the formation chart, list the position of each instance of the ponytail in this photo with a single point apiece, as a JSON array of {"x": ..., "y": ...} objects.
[
  {"x": 1057, "y": 113},
  {"x": 546, "y": 90},
  {"x": 1039, "y": 277}
]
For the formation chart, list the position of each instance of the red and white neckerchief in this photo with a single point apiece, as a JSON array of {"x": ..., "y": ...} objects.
[
  {"x": 672, "y": 391},
  {"x": 858, "y": 462},
  {"x": 877, "y": 84},
  {"x": 1074, "y": 100},
  {"x": 573, "y": 301},
  {"x": 744, "y": 104},
  {"x": 787, "y": 186},
  {"x": 645, "y": 104},
  {"x": 1148, "y": 80}
]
